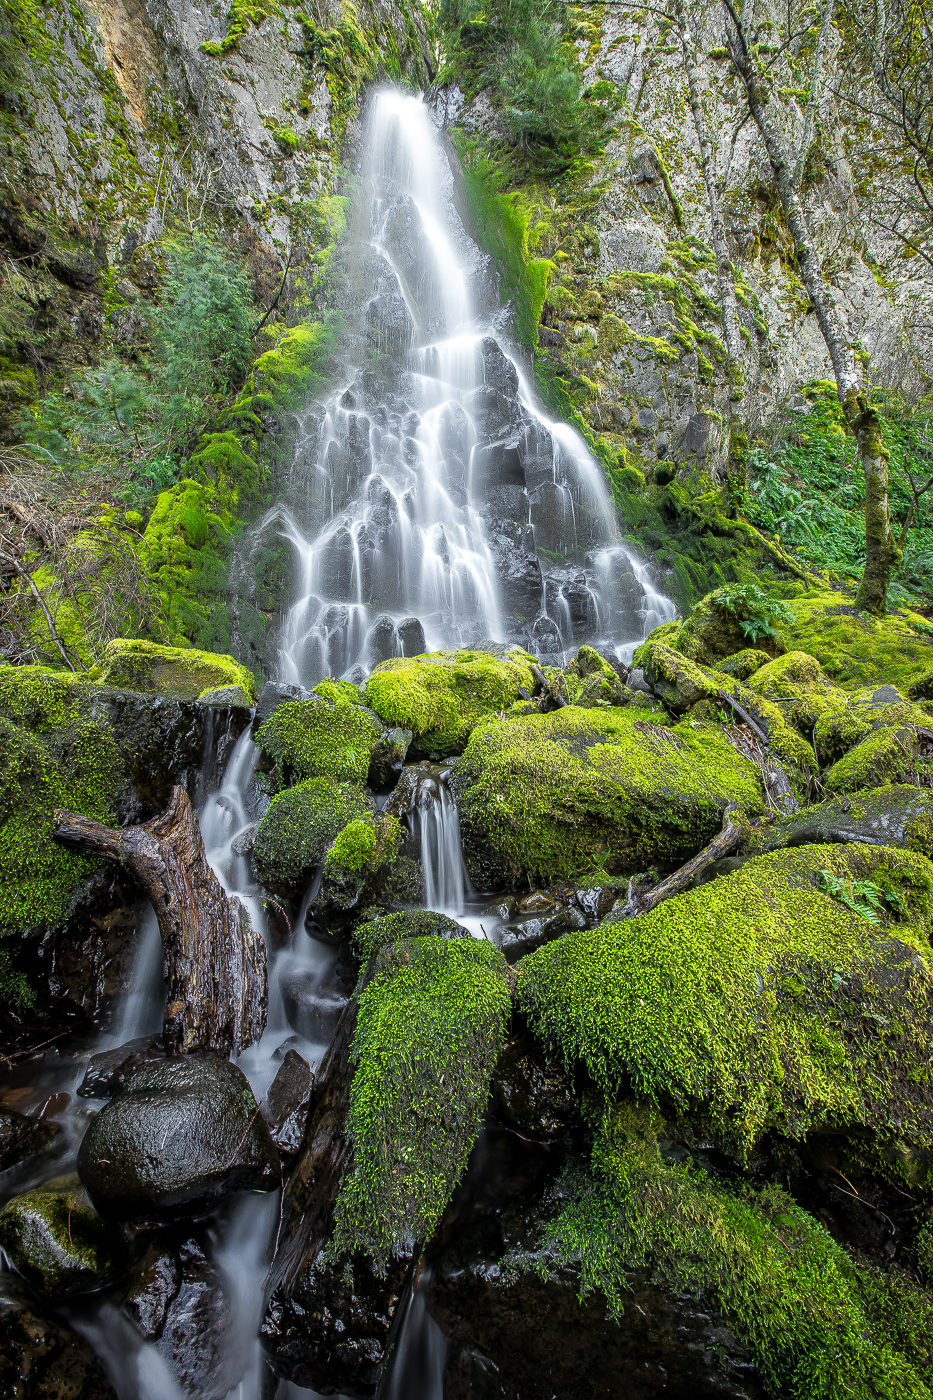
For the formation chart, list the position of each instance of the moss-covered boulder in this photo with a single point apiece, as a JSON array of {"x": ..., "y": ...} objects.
[
  {"x": 326, "y": 737},
  {"x": 743, "y": 664},
  {"x": 816, "y": 1322},
  {"x": 59, "y": 1243},
  {"x": 677, "y": 682},
  {"x": 856, "y": 648},
  {"x": 299, "y": 825},
  {"x": 895, "y": 815},
  {"x": 544, "y": 797},
  {"x": 360, "y": 865},
  {"x": 180, "y": 671},
  {"x": 441, "y": 696},
  {"x": 795, "y": 994},
  {"x": 591, "y": 681},
  {"x": 431, "y": 1022},
  {"x": 865, "y": 710},
  {"x": 797, "y": 684},
  {"x": 373, "y": 934},
  {"x": 884, "y": 756},
  {"x": 785, "y": 742},
  {"x": 709, "y": 632}
]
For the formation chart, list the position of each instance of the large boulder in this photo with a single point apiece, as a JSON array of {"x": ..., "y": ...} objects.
[
  {"x": 797, "y": 683},
  {"x": 791, "y": 996},
  {"x": 176, "y": 1138},
  {"x": 59, "y": 1244},
  {"x": 543, "y": 797},
  {"x": 299, "y": 825},
  {"x": 179, "y": 671},
  {"x": 884, "y": 756},
  {"x": 441, "y": 696},
  {"x": 894, "y": 815},
  {"x": 865, "y": 711}
]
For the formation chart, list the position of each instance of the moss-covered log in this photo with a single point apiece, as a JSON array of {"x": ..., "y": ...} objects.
[{"x": 215, "y": 964}]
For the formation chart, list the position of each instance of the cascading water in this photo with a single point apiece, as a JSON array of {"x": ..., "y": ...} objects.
[{"x": 432, "y": 503}]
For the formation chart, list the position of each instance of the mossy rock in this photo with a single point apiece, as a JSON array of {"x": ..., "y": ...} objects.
[
  {"x": 59, "y": 1243},
  {"x": 709, "y": 633},
  {"x": 180, "y": 671},
  {"x": 742, "y": 664},
  {"x": 676, "y": 681},
  {"x": 895, "y": 815},
  {"x": 430, "y": 1025},
  {"x": 856, "y": 649},
  {"x": 884, "y": 756},
  {"x": 760, "y": 1001},
  {"x": 373, "y": 934},
  {"x": 797, "y": 680},
  {"x": 358, "y": 863},
  {"x": 793, "y": 750},
  {"x": 320, "y": 737},
  {"x": 866, "y": 710},
  {"x": 441, "y": 696},
  {"x": 299, "y": 825},
  {"x": 815, "y": 1321},
  {"x": 546, "y": 797}
]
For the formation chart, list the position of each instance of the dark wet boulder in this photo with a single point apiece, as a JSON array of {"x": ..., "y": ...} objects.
[
  {"x": 411, "y": 636},
  {"x": 288, "y": 1101},
  {"x": 44, "y": 1360},
  {"x": 195, "y": 1335},
  {"x": 176, "y": 1138},
  {"x": 58, "y": 1242},
  {"x": 388, "y": 758},
  {"x": 537, "y": 1098},
  {"x": 274, "y": 694},
  {"x": 107, "y": 1071},
  {"x": 22, "y": 1137},
  {"x": 225, "y": 696},
  {"x": 152, "y": 1280}
]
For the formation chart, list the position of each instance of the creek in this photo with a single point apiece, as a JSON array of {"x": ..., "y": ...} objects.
[{"x": 432, "y": 504}]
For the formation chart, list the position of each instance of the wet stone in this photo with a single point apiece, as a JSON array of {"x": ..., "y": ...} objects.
[
  {"x": 523, "y": 935},
  {"x": 43, "y": 1360},
  {"x": 274, "y": 694},
  {"x": 537, "y": 1099},
  {"x": 152, "y": 1281},
  {"x": 177, "y": 1137},
  {"x": 108, "y": 1071},
  {"x": 195, "y": 1340},
  {"x": 59, "y": 1244},
  {"x": 22, "y": 1137},
  {"x": 310, "y": 1009},
  {"x": 388, "y": 758},
  {"x": 411, "y": 636},
  {"x": 242, "y": 844},
  {"x": 288, "y": 1101}
]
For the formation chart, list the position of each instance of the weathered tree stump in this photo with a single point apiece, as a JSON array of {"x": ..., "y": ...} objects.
[{"x": 215, "y": 963}]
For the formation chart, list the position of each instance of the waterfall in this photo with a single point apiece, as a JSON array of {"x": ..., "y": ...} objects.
[
  {"x": 432, "y": 502},
  {"x": 445, "y": 879}
]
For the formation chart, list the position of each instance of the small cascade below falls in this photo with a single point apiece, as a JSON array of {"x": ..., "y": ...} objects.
[{"x": 431, "y": 502}]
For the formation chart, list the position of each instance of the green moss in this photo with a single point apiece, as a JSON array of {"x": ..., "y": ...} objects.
[
  {"x": 804, "y": 694},
  {"x": 441, "y": 696},
  {"x": 741, "y": 664},
  {"x": 320, "y": 737},
  {"x": 299, "y": 825},
  {"x": 430, "y": 1025},
  {"x": 60, "y": 1244},
  {"x": 708, "y": 1002},
  {"x": 352, "y": 850},
  {"x": 181, "y": 671},
  {"x": 51, "y": 755},
  {"x": 543, "y": 797},
  {"x": 885, "y": 756},
  {"x": 854, "y": 648},
  {"x": 675, "y": 680},
  {"x": 187, "y": 547},
  {"x": 373, "y": 934},
  {"x": 241, "y": 15},
  {"x": 338, "y": 692},
  {"x": 818, "y": 1325}
]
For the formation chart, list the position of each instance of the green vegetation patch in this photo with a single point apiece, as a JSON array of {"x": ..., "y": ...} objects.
[
  {"x": 299, "y": 825},
  {"x": 854, "y": 648},
  {"x": 442, "y": 695},
  {"x": 885, "y": 756},
  {"x": 546, "y": 797},
  {"x": 759, "y": 998},
  {"x": 180, "y": 671},
  {"x": 320, "y": 738},
  {"x": 59, "y": 1243},
  {"x": 818, "y": 1325},
  {"x": 373, "y": 934},
  {"x": 800, "y": 689},
  {"x": 430, "y": 1025}
]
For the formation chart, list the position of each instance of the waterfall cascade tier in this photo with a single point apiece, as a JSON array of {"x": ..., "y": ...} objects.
[{"x": 432, "y": 503}]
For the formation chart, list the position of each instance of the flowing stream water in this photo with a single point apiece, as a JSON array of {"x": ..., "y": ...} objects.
[{"x": 432, "y": 504}]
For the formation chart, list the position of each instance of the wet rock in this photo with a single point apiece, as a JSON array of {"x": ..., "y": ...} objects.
[
  {"x": 43, "y": 1360},
  {"x": 288, "y": 1100},
  {"x": 310, "y": 1010},
  {"x": 332, "y": 1334},
  {"x": 22, "y": 1137},
  {"x": 596, "y": 903},
  {"x": 382, "y": 640},
  {"x": 225, "y": 696},
  {"x": 106, "y": 1072},
  {"x": 59, "y": 1244},
  {"x": 523, "y": 935},
  {"x": 274, "y": 694},
  {"x": 152, "y": 1281},
  {"x": 528, "y": 1094},
  {"x": 498, "y": 372},
  {"x": 636, "y": 681},
  {"x": 502, "y": 908},
  {"x": 176, "y": 1138},
  {"x": 242, "y": 844},
  {"x": 411, "y": 636},
  {"x": 388, "y": 758}
]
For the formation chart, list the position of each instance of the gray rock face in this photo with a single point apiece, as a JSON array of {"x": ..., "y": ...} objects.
[
  {"x": 178, "y": 1137},
  {"x": 44, "y": 1360}
]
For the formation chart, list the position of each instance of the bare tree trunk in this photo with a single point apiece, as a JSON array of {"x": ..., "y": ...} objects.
[
  {"x": 881, "y": 552},
  {"x": 215, "y": 964},
  {"x": 724, "y": 268},
  {"x": 816, "y": 90}
]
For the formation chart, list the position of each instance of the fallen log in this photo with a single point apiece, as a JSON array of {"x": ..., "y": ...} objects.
[
  {"x": 722, "y": 845},
  {"x": 215, "y": 963}
]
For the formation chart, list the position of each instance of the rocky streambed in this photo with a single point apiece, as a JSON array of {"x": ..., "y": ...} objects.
[{"x": 644, "y": 1109}]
